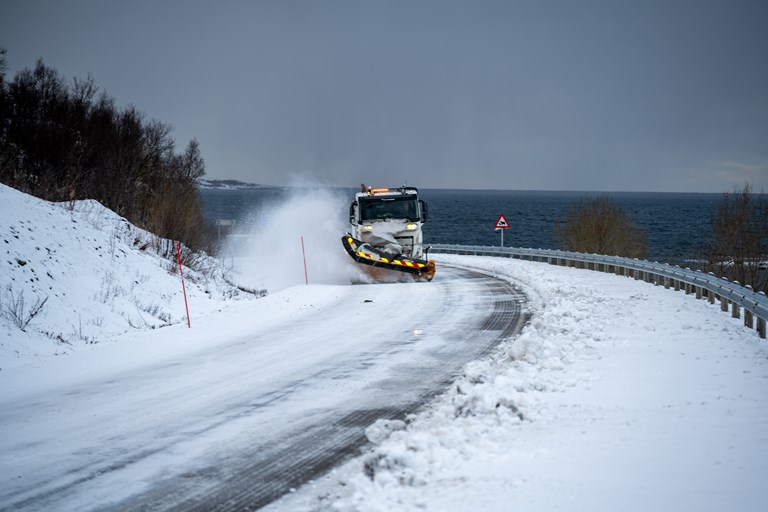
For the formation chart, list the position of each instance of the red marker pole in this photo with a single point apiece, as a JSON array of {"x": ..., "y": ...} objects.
[
  {"x": 304, "y": 255},
  {"x": 183, "y": 288}
]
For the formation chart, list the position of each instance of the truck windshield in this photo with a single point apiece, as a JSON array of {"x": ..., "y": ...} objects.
[{"x": 380, "y": 208}]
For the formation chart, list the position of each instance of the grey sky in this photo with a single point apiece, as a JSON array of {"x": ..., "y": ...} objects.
[{"x": 569, "y": 95}]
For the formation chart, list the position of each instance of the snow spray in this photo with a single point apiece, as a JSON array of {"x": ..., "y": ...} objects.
[{"x": 267, "y": 255}]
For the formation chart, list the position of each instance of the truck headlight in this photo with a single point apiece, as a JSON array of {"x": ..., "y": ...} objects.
[
  {"x": 411, "y": 226},
  {"x": 367, "y": 228}
]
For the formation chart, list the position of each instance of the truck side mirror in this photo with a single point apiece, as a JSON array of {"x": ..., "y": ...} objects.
[
  {"x": 423, "y": 210},
  {"x": 352, "y": 212}
]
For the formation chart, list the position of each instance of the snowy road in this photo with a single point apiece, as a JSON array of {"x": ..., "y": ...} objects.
[{"x": 239, "y": 420}]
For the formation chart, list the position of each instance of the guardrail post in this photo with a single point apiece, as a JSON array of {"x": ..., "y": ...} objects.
[
  {"x": 761, "y": 327},
  {"x": 735, "y": 313},
  {"x": 723, "y": 304},
  {"x": 748, "y": 318},
  {"x": 698, "y": 292}
]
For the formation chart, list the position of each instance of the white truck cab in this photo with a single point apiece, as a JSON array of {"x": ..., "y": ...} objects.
[{"x": 390, "y": 219}]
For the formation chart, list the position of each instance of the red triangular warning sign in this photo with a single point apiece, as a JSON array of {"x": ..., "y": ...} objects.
[{"x": 502, "y": 222}]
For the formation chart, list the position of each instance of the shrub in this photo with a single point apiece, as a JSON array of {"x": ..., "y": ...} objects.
[
  {"x": 597, "y": 225},
  {"x": 739, "y": 245},
  {"x": 15, "y": 309}
]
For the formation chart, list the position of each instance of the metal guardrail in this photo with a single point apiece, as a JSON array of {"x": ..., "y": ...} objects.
[{"x": 730, "y": 294}]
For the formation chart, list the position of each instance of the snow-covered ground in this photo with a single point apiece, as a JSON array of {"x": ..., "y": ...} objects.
[
  {"x": 96, "y": 276},
  {"x": 618, "y": 395}
]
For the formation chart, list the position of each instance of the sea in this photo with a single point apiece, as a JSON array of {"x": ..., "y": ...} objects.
[{"x": 677, "y": 225}]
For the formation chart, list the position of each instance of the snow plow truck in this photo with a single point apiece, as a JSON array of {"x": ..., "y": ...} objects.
[{"x": 386, "y": 231}]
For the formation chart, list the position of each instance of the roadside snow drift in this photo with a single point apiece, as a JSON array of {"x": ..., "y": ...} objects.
[{"x": 76, "y": 274}]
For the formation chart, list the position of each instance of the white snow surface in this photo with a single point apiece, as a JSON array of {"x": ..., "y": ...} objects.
[
  {"x": 618, "y": 395},
  {"x": 98, "y": 274}
]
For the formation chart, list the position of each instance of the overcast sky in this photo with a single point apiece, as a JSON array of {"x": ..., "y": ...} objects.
[{"x": 530, "y": 95}]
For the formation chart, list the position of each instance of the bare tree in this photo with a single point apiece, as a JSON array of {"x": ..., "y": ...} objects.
[
  {"x": 739, "y": 247},
  {"x": 597, "y": 225}
]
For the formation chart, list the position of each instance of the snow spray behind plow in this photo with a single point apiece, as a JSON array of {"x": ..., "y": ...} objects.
[{"x": 269, "y": 255}]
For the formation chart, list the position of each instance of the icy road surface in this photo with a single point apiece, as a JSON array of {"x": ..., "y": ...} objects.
[{"x": 234, "y": 422}]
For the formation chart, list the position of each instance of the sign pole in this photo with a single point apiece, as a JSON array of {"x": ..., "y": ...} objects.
[{"x": 501, "y": 225}]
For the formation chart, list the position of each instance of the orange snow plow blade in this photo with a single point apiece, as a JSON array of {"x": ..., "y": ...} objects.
[{"x": 366, "y": 254}]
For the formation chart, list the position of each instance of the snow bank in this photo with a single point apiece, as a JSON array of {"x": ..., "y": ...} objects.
[
  {"x": 93, "y": 276},
  {"x": 616, "y": 396}
]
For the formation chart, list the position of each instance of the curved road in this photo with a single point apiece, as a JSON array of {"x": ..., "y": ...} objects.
[{"x": 236, "y": 426}]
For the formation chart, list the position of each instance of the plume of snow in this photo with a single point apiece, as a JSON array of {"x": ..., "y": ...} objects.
[{"x": 270, "y": 255}]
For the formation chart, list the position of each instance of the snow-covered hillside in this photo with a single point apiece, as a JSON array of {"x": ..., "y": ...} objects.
[{"x": 91, "y": 275}]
